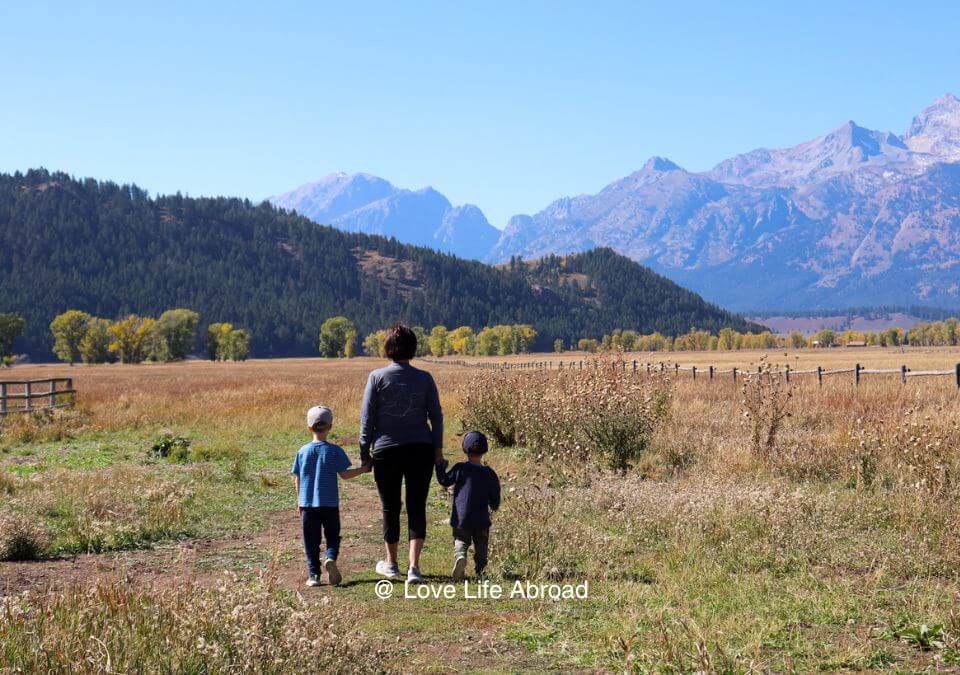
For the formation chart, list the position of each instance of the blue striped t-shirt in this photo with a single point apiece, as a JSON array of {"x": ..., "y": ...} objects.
[{"x": 318, "y": 464}]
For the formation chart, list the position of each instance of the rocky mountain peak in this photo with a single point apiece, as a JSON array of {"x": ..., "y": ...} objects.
[
  {"x": 362, "y": 202},
  {"x": 335, "y": 195},
  {"x": 660, "y": 165},
  {"x": 936, "y": 130},
  {"x": 854, "y": 216}
]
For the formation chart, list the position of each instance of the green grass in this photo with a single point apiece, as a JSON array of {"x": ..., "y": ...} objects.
[{"x": 792, "y": 576}]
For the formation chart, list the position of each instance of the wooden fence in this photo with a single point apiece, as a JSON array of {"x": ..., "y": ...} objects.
[
  {"x": 710, "y": 372},
  {"x": 35, "y": 395}
]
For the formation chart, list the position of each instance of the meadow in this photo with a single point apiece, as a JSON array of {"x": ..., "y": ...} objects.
[{"x": 723, "y": 527}]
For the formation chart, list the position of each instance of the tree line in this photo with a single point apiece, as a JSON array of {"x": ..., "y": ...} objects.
[
  {"x": 338, "y": 339},
  {"x": 78, "y": 336},
  {"x": 927, "y": 334},
  {"x": 81, "y": 337}
]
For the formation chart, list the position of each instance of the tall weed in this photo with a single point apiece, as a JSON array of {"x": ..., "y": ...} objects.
[
  {"x": 21, "y": 537},
  {"x": 237, "y": 627},
  {"x": 116, "y": 508},
  {"x": 600, "y": 415},
  {"x": 764, "y": 407}
]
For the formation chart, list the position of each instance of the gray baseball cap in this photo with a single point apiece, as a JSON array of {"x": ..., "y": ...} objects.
[{"x": 319, "y": 414}]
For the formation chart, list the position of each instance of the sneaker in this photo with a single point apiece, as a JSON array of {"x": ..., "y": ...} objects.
[
  {"x": 414, "y": 576},
  {"x": 388, "y": 569},
  {"x": 459, "y": 568},
  {"x": 333, "y": 574},
  {"x": 314, "y": 580}
]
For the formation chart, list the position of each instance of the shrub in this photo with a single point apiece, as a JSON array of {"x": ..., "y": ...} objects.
[
  {"x": 175, "y": 448},
  {"x": 601, "y": 414},
  {"x": 20, "y": 537},
  {"x": 764, "y": 407},
  {"x": 490, "y": 405}
]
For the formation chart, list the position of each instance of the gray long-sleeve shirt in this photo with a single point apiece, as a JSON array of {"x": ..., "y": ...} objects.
[{"x": 397, "y": 404}]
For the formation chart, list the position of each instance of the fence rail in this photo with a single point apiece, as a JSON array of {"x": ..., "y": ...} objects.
[
  {"x": 35, "y": 395},
  {"x": 706, "y": 372}
]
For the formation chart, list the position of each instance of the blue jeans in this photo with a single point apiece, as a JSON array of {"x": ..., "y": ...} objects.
[{"x": 318, "y": 523}]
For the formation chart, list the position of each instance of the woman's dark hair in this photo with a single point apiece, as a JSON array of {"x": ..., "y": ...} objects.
[{"x": 401, "y": 343}]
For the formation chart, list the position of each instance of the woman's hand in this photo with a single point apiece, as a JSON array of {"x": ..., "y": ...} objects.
[{"x": 438, "y": 456}]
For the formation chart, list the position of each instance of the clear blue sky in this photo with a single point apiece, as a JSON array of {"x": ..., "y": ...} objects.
[{"x": 504, "y": 105}]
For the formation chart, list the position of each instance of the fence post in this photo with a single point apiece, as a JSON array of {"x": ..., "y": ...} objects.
[
  {"x": 27, "y": 390},
  {"x": 676, "y": 369},
  {"x": 711, "y": 372},
  {"x": 3, "y": 395},
  {"x": 694, "y": 372},
  {"x": 53, "y": 393},
  {"x": 820, "y": 375},
  {"x": 787, "y": 372},
  {"x": 635, "y": 367},
  {"x": 903, "y": 374},
  {"x": 856, "y": 374},
  {"x": 734, "y": 371},
  {"x": 958, "y": 376}
]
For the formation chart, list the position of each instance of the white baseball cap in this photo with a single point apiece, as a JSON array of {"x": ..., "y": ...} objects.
[{"x": 319, "y": 414}]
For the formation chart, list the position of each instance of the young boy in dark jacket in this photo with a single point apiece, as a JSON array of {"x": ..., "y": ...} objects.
[{"x": 476, "y": 493}]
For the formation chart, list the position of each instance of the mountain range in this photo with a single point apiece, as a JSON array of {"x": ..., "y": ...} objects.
[
  {"x": 371, "y": 205},
  {"x": 855, "y": 217}
]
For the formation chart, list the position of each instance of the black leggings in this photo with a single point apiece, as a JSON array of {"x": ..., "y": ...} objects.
[{"x": 412, "y": 464}]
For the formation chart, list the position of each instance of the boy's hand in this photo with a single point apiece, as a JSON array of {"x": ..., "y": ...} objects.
[
  {"x": 443, "y": 463},
  {"x": 300, "y": 510}
]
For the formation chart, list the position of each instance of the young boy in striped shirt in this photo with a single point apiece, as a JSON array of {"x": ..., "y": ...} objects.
[{"x": 315, "y": 471}]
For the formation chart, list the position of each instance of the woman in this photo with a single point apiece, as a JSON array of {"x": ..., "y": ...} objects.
[{"x": 396, "y": 438}]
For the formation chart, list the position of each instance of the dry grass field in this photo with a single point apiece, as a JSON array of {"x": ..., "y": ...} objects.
[{"x": 757, "y": 527}]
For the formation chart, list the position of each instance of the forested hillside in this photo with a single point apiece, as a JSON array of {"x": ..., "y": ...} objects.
[{"x": 111, "y": 250}]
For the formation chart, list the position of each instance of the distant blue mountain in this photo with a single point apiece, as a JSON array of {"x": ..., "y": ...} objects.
[
  {"x": 853, "y": 218},
  {"x": 364, "y": 203}
]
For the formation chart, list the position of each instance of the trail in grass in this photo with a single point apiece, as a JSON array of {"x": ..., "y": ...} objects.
[{"x": 422, "y": 635}]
